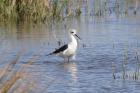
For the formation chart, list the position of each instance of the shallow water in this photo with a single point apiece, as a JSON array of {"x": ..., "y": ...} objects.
[{"x": 105, "y": 40}]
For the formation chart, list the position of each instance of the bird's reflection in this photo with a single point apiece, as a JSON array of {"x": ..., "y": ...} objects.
[{"x": 72, "y": 68}]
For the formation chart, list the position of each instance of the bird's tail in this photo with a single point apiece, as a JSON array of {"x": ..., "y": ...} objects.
[{"x": 49, "y": 54}]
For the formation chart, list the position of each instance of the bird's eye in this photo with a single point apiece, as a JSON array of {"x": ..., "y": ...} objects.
[{"x": 72, "y": 32}]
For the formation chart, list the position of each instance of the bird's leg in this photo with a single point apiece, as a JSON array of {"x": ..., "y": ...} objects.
[
  {"x": 64, "y": 59},
  {"x": 68, "y": 59}
]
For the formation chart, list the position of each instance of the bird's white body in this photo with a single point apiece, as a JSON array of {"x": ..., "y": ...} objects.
[{"x": 71, "y": 50}]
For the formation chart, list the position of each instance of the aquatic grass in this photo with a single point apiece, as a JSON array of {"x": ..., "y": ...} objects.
[
  {"x": 132, "y": 74},
  {"x": 47, "y": 11},
  {"x": 125, "y": 73},
  {"x": 136, "y": 75},
  {"x": 32, "y": 10},
  {"x": 9, "y": 78},
  {"x": 113, "y": 65},
  {"x": 8, "y": 68},
  {"x": 23, "y": 9},
  {"x": 9, "y": 83},
  {"x": 125, "y": 63},
  {"x": 113, "y": 70},
  {"x": 119, "y": 7}
]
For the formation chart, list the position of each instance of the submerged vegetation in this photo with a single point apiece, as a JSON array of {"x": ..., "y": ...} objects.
[
  {"x": 15, "y": 78},
  {"x": 127, "y": 73},
  {"x": 48, "y": 10},
  {"x": 11, "y": 79}
]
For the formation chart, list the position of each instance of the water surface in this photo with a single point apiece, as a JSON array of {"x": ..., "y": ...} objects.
[{"x": 104, "y": 41}]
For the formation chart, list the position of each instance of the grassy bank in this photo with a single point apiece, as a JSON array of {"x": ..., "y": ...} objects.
[
  {"x": 48, "y": 10},
  {"x": 33, "y": 10},
  {"x": 20, "y": 10}
]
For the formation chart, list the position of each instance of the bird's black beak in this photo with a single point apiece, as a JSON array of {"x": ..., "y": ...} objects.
[{"x": 77, "y": 36}]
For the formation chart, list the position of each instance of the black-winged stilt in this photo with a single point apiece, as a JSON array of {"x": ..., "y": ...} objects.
[{"x": 67, "y": 51}]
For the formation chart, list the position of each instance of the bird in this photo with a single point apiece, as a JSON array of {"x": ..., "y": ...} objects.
[{"x": 68, "y": 51}]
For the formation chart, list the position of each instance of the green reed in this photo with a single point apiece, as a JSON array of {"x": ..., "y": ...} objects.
[
  {"x": 48, "y": 10},
  {"x": 33, "y": 10}
]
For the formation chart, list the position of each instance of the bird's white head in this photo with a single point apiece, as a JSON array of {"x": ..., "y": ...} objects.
[{"x": 73, "y": 32}]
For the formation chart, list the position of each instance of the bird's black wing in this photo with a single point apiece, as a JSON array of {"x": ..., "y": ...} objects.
[{"x": 61, "y": 49}]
